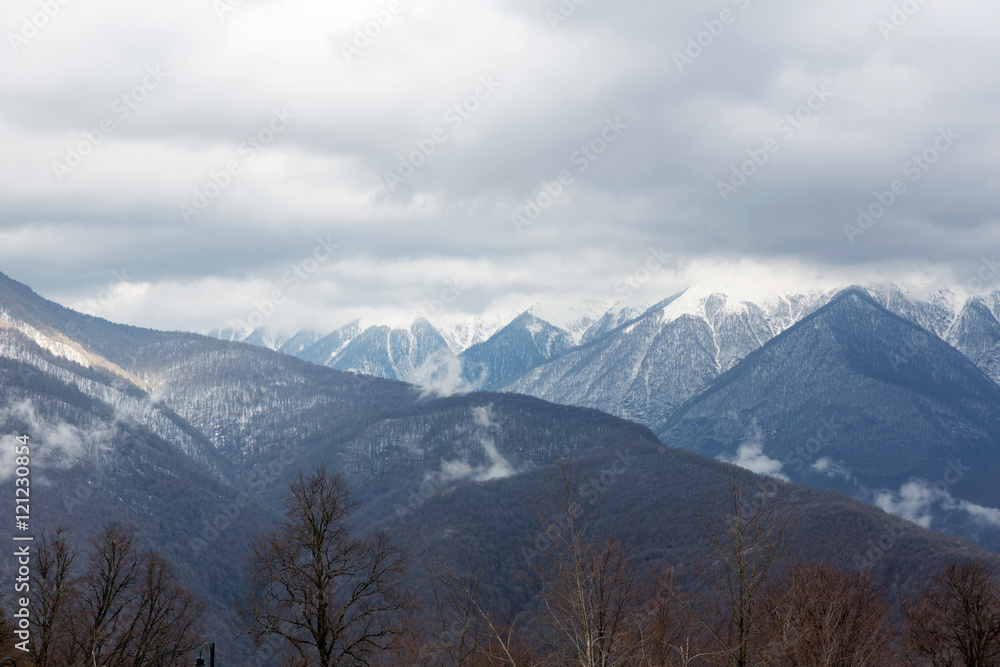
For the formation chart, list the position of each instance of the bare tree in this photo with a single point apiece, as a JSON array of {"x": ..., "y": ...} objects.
[
  {"x": 7, "y": 628},
  {"x": 54, "y": 592},
  {"x": 746, "y": 540},
  {"x": 821, "y": 617},
  {"x": 463, "y": 630},
  {"x": 166, "y": 620},
  {"x": 664, "y": 631},
  {"x": 106, "y": 596},
  {"x": 455, "y": 631},
  {"x": 127, "y": 609},
  {"x": 956, "y": 621},
  {"x": 589, "y": 585},
  {"x": 588, "y": 594},
  {"x": 332, "y": 597}
]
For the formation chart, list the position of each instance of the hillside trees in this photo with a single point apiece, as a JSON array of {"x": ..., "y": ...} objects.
[
  {"x": 597, "y": 607},
  {"x": 325, "y": 595}
]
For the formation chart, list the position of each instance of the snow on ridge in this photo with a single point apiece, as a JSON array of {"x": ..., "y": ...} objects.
[
  {"x": 573, "y": 318},
  {"x": 711, "y": 301},
  {"x": 695, "y": 301},
  {"x": 462, "y": 331},
  {"x": 950, "y": 299},
  {"x": 57, "y": 348},
  {"x": 782, "y": 309},
  {"x": 629, "y": 308}
]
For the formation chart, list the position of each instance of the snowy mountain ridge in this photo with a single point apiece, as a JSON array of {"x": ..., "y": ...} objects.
[{"x": 721, "y": 324}]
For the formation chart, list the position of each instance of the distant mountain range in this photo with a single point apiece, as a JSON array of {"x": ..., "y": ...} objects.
[
  {"x": 456, "y": 352},
  {"x": 495, "y": 351},
  {"x": 671, "y": 366},
  {"x": 192, "y": 438}
]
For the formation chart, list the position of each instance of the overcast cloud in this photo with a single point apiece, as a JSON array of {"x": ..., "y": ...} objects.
[{"x": 133, "y": 223}]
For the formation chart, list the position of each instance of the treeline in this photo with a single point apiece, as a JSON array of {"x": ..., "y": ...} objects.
[
  {"x": 746, "y": 605},
  {"x": 323, "y": 595},
  {"x": 119, "y": 605}
]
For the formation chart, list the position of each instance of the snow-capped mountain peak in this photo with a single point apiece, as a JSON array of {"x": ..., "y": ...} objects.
[{"x": 573, "y": 318}]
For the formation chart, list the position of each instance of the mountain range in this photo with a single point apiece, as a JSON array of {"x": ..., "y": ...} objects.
[
  {"x": 672, "y": 364},
  {"x": 193, "y": 438},
  {"x": 737, "y": 318}
]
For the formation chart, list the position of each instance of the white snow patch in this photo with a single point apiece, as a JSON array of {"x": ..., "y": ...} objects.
[
  {"x": 736, "y": 299},
  {"x": 462, "y": 331},
  {"x": 573, "y": 318},
  {"x": 46, "y": 343}
]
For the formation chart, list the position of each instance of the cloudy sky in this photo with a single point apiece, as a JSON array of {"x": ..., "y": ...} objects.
[{"x": 174, "y": 164}]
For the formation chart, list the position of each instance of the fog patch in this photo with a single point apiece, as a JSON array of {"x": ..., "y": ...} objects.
[
  {"x": 441, "y": 375},
  {"x": 751, "y": 456},
  {"x": 54, "y": 443},
  {"x": 832, "y": 469},
  {"x": 922, "y": 503},
  {"x": 481, "y": 440}
]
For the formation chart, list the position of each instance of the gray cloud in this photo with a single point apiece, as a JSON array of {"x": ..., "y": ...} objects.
[{"x": 689, "y": 124}]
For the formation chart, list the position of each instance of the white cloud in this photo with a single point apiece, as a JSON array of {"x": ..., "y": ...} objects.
[
  {"x": 921, "y": 502},
  {"x": 987, "y": 515},
  {"x": 914, "y": 502},
  {"x": 496, "y": 466},
  {"x": 441, "y": 375},
  {"x": 751, "y": 457},
  {"x": 830, "y": 468},
  {"x": 53, "y": 443}
]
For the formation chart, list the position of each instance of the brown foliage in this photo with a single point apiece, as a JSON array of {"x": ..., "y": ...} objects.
[
  {"x": 665, "y": 631},
  {"x": 588, "y": 584}
]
